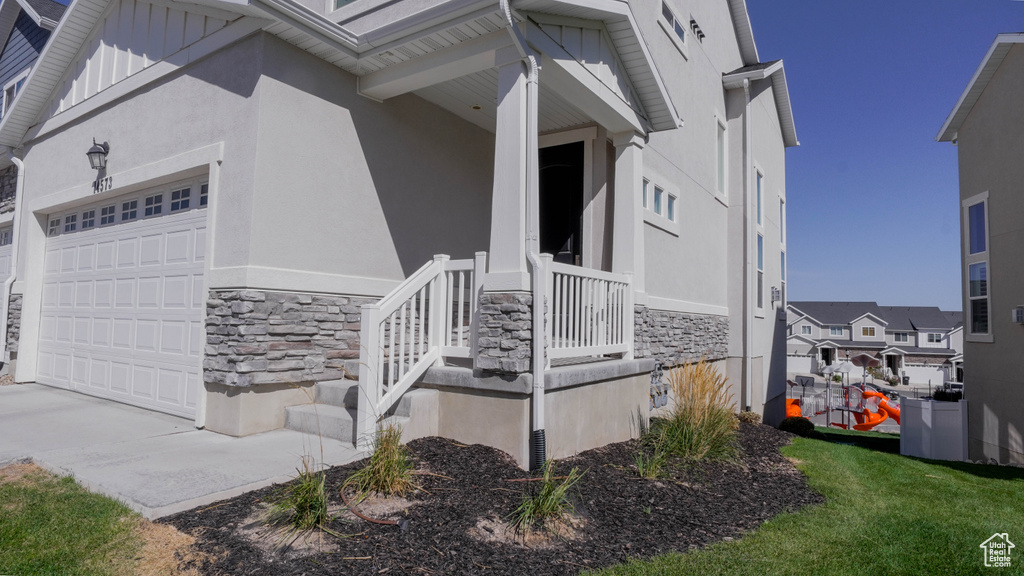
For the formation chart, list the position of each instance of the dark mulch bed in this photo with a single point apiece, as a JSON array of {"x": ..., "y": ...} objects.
[{"x": 624, "y": 516}]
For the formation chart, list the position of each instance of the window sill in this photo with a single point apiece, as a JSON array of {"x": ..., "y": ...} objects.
[
  {"x": 662, "y": 223},
  {"x": 982, "y": 338},
  {"x": 675, "y": 39}
]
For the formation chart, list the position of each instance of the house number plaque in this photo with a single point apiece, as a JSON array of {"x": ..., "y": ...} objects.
[{"x": 102, "y": 184}]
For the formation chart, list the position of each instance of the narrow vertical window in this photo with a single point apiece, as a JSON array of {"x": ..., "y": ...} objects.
[
  {"x": 760, "y": 271},
  {"x": 204, "y": 191},
  {"x": 976, "y": 260},
  {"x": 658, "y": 193},
  {"x": 978, "y": 296},
  {"x": 644, "y": 191},
  {"x": 721, "y": 158},
  {"x": 671, "y": 213},
  {"x": 759, "y": 179},
  {"x": 976, "y": 226}
]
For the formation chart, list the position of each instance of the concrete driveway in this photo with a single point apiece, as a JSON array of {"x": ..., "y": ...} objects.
[{"x": 155, "y": 463}]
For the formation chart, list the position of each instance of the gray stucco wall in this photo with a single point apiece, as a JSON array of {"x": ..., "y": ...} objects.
[{"x": 989, "y": 161}]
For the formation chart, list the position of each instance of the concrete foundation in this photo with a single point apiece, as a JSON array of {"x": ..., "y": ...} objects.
[{"x": 243, "y": 411}]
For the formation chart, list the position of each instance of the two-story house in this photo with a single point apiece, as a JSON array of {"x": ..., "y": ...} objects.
[
  {"x": 918, "y": 342},
  {"x": 987, "y": 127},
  {"x": 509, "y": 209}
]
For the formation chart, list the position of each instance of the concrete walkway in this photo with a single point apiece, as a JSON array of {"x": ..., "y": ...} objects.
[{"x": 155, "y": 463}]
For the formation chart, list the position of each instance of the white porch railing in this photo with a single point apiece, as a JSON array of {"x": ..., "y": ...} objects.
[
  {"x": 590, "y": 312},
  {"x": 428, "y": 316}
]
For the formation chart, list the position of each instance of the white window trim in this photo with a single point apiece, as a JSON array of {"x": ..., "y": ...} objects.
[
  {"x": 864, "y": 329},
  {"x": 759, "y": 275},
  {"x": 970, "y": 259},
  {"x": 807, "y": 333},
  {"x": 661, "y": 221},
  {"x": 668, "y": 27},
  {"x": 759, "y": 215},
  {"x": 832, "y": 328},
  {"x": 720, "y": 123},
  {"x": 118, "y": 201},
  {"x": 896, "y": 337},
  {"x": 7, "y": 105}
]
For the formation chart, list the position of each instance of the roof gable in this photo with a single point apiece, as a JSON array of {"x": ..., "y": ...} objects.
[{"x": 979, "y": 82}]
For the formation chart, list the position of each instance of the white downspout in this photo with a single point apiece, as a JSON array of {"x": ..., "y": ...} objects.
[
  {"x": 748, "y": 305},
  {"x": 5, "y": 306},
  {"x": 538, "y": 441}
]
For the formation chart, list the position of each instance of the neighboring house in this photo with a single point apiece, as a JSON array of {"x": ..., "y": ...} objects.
[
  {"x": 273, "y": 168},
  {"x": 987, "y": 125},
  {"x": 919, "y": 342}
]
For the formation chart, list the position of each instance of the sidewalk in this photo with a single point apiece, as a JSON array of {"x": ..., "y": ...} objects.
[{"x": 155, "y": 463}]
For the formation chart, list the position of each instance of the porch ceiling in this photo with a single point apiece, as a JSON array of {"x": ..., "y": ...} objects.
[{"x": 474, "y": 98}]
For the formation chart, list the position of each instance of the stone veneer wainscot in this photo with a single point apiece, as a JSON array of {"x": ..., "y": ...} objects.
[
  {"x": 257, "y": 337},
  {"x": 675, "y": 337}
]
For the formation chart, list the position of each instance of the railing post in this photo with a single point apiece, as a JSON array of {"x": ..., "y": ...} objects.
[
  {"x": 629, "y": 318},
  {"x": 439, "y": 300},
  {"x": 369, "y": 378},
  {"x": 479, "y": 273}
]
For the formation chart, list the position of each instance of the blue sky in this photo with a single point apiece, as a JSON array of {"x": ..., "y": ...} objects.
[{"x": 872, "y": 199}]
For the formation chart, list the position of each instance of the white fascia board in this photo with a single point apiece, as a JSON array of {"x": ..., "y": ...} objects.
[
  {"x": 785, "y": 109},
  {"x": 801, "y": 337},
  {"x": 417, "y": 23},
  {"x": 865, "y": 315},
  {"x": 733, "y": 81},
  {"x": 893, "y": 350},
  {"x": 989, "y": 64},
  {"x": 440, "y": 66},
  {"x": 744, "y": 32}
]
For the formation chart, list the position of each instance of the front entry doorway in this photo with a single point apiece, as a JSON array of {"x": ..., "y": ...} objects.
[
  {"x": 892, "y": 364},
  {"x": 828, "y": 355},
  {"x": 561, "y": 202}
]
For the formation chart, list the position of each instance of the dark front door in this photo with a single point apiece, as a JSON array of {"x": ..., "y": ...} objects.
[{"x": 561, "y": 202}]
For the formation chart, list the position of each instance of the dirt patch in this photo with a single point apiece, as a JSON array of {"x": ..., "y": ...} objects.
[
  {"x": 19, "y": 471},
  {"x": 166, "y": 551},
  {"x": 457, "y": 523},
  {"x": 282, "y": 542},
  {"x": 498, "y": 530}
]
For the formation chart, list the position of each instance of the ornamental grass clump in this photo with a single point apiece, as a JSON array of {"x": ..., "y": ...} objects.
[
  {"x": 302, "y": 504},
  {"x": 389, "y": 471},
  {"x": 549, "y": 502},
  {"x": 701, "y": 424}
]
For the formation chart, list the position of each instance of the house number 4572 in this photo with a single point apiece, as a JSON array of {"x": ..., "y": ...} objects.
[{"x": 102, "y": 184}]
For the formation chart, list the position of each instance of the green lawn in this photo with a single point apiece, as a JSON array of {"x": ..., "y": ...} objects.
[
  {"x": 52, "y": 526},
  {"x": 885, "y": 514}
]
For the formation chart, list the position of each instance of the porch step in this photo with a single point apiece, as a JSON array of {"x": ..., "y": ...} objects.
[{"x": 334, "y": 413}]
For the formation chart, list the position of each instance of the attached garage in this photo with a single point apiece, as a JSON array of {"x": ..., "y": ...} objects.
[{"x": 123, "y": 303}]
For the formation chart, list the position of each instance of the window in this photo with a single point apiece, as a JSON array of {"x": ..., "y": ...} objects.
[
  {"x": 129, "y": 210},
  {"x": 671, "y": 212},
  {"x": 976, "y": 225},
  {"x": 107, "y": 215},
  {"x": 900, "y": 337},
  {"x": 674, "y": 27},
  {"x": 720, "y": 185},
  {"x": 783, "y": 275},
  {"x": 88, "y": 219},
  {"x": 806, "y": 330},
  {"x": 760, "y": 271},
  {"x": 658, "y": 193},
  {"x": 180, "y": 199},
  {"x": 934, "y": 338},
  {"x": 976, "y": 259},
  {"x": 835, "y": 330},
  {"x": 70, "y": 222},
  {"x": 11, "y": 91},
  {"x": 782, "y": 221},
  {"x": 205, "y": 189},
  {"x": 644, "y": 192},
  {"x": 867, "y": 331},
  {"x": 54, "y": 227},
  {"x": 154, "y": 204},
  {"x": 340, "y": 3},
  {"x": 979, "y": 297},
  {"x": 6, "y": 237},
  {"x": 760, "y": 178}
]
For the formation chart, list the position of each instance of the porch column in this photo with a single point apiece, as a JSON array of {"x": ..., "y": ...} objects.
[
  {"x": 507, "y": 270},
  {"x": 628, "y": 216}
]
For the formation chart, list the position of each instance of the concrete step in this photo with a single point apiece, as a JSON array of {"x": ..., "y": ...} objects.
[
  {"x": 323, "y": 419},
  {"x": 337, "y": 393}
]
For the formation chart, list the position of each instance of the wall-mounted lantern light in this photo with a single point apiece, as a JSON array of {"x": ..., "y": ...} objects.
[{"x": 98, "y": 155}]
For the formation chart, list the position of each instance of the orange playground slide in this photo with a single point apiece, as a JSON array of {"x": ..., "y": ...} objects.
[
  {"x": 793, "y": 408},
  {"x": 868, "y": 420}
]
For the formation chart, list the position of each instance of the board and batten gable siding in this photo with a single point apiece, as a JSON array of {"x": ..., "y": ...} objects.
[
  {"x": 130, "y": 37},
  {"x": 592, "y": 48},
  {"x": 22, "y": 48}
]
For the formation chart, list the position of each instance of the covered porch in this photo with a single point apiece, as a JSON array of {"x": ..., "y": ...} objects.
[{"x": 570, "y": 94}]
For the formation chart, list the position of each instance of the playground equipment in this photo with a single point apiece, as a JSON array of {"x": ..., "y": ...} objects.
[{"x": 868, "y": 408}]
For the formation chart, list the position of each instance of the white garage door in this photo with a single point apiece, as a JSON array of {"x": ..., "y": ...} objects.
[{"x": 123, "y": 304}]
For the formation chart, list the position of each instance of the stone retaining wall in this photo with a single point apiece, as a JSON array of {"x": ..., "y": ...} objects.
[
  {"x": 505, "y": 337},
  {"x": 8, "y": 188},
  {"x": 257, "y": 337},
  {"x": 14, "y": 322},
  {"x": 674, "y": 337}
]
